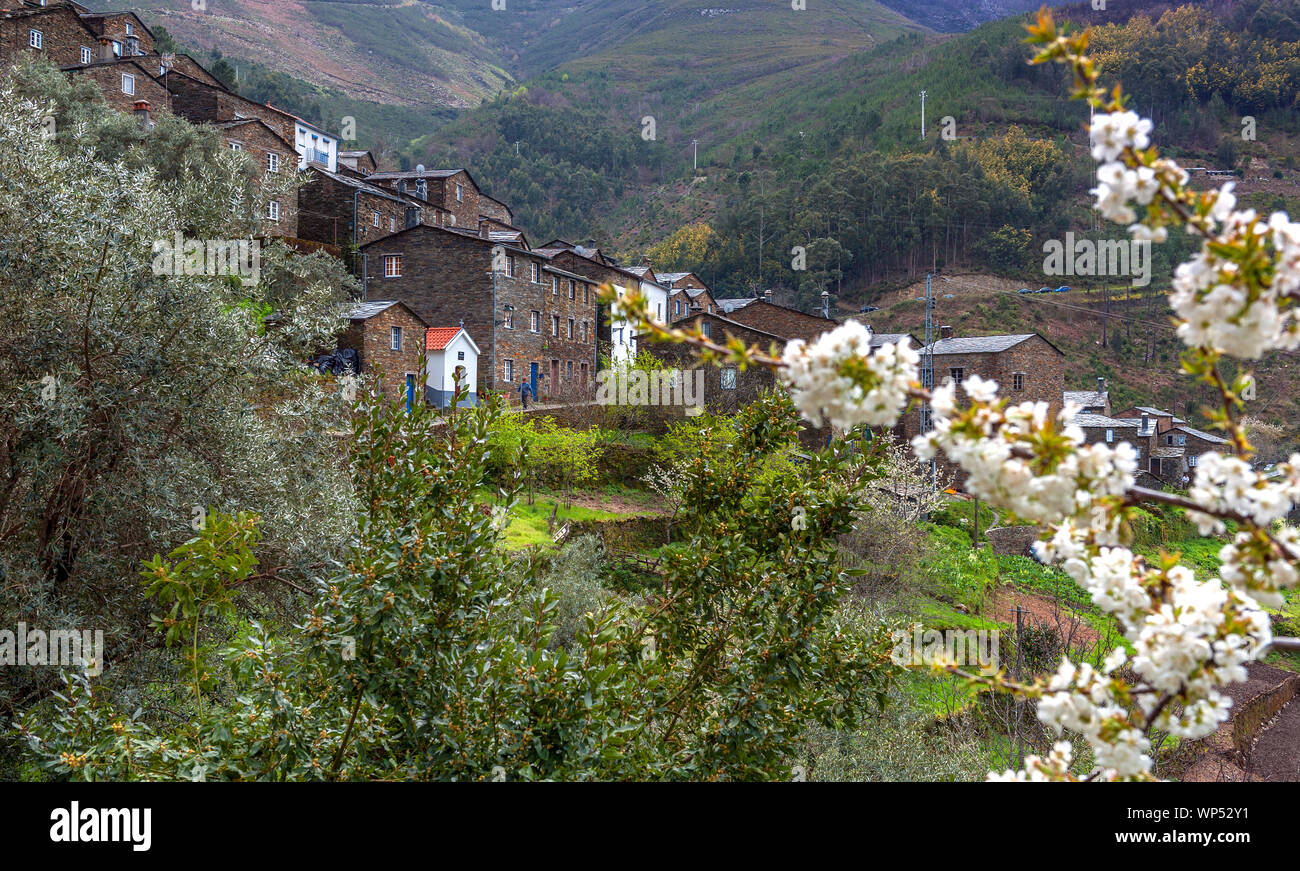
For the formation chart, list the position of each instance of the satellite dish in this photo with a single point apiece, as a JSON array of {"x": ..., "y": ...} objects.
[{"x": 420, "y": 168}]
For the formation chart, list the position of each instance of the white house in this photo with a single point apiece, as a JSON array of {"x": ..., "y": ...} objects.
[
  {"x": 451, "y": 354},
  {"x": 314, "y": 145},
  {"x": 622, "y": 333}
]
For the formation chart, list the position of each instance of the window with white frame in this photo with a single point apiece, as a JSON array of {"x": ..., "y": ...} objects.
[
  {"x": 128, "y": 83},
  {"x": 535, "y": 322},
  {"x": 35, "y": 38},
  {"x": 374, "y": 218},
  {"x": 570, "y": 328},
  {"x": 272, "y": 162},
  {"x": 392, "y": 266},
  {"x": 86, "y": 55},
  {"x": 395, "y": 338},
  {"x": 728, "y": 381},
  {"x": 510, "y": 318},
  {"x": 117, "y": 48},
  {"x": 957, "y": 373},
  {"x": 236, "y": 146},
  {"x": 1110, "y": 436},
  {"x": 1018, "y": 381},
  {"x": 392, "y": 225},
  {"x": 707, "y": 329},
  {"x": 555, "y": 326},
  {"x": 585, "y": 289},
  {"x": 509, "y": 374},
  {"x": 555, "y": 285},
  {"x": 536, "y": 269},
  {"x": 510, "y": 266},
  {"x": 571, "y": 293},
  {"x": 460, "y": 194},
  {"x": 273, "y": 210},
  {"x": 1191, "y": 461}
]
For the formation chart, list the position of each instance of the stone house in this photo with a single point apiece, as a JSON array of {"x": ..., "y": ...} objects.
[
  {"x": 495, "y": 210},
  {"x": 1091, "y": 401},
  {"x": 125, "y": 82},
  {"x": 128, "y": 35},
  {"x": 533, "y": 320},
  {"x": 346, "y": 210},
  {"x": 272, "y": 155},
  {"x": 763, "y": 314},
  {"x": 360, "y": 162},
  {"x": 1200, "y": 442},
  {"x": 617, "y": 336},
  {"x": 55, "y": 31},
  {"x": 390, "y": 339},
  {"x": 452, "y": 190},
  {"x": 1027, "y": 368},
  {"x": 726, "y": 389}
]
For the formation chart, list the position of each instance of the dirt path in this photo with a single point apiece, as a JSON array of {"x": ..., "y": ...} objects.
[
  {"x": 1041, "y": 611},
  {"x": 1275, "y": 755}
]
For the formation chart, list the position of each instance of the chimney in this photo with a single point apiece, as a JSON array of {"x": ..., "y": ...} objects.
[
  {"x": 1146, "y": 425},
  {"x": 1101, "y": 385},
  {"x": 142, "y": 114},
  {"x": 105, "y": 49},
  {"x": 945, "y": 331},
  {"x": 767, "y": 295}
]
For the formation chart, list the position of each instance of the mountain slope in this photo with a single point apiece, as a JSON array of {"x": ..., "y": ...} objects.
[{"x": 402, "y": 52}]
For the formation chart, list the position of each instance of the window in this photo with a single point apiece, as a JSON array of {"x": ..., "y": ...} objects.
[
  {"x": 956, "y": 374},
  {"x": 132, "y": 46},
  {"x": 1191, "y": 462},
  {"x": 537, "y": 272},
  {"x": 422, "y": 189},
  {"x": 728, "y": 379},
  {"x": 1110, "y": 436},
  {"x": 707, "y": 329},
  {"x": 460, "y": 194},
  {"x": 571, "y": 294},
  {"x": 1182, "y": 441},
  {"x": 87, "y": 55},
  {"x": 272, "y": 162},
  {"x": 162, "y": 69},
  {"x": 535, "y": 322},
  {"x": 555, "y": 285},
  {"x": 374, "y": 218},
  {"x": 510, "y": 266},
  {"x": 585, "y": 289},
  {"x": 569, "y": 367},
  {"x": 273, "y": 210},
  {"x": 451, "y": 219},
  {"x": 392, "y": 266},
  {"x": 117, "y": 48},
  {"x": 1018, "y": 381},
  {"x": 510, "y": 370},
  {"x": 510, "y": 318},
  {"x": 677, "y": 307},
  {"x": 235, "y": 146},
  {"x": 584, "y": 331},
  {"x": 128, "y": 84},
  {"x": 555, "y": 326},
  {"x": 35, "y": 38},
  {"x": 130, "y": 28},
  {"x": 570, "y": 328},
  {"x": 618, "y": 336},
  {"x": 395, "y": 338},
  {"x": 460, "y": 355}
]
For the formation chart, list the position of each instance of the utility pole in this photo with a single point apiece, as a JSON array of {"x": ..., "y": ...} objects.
[
  {"x": 923, "y": 115},
  {"x": 1092, "y": 163},
  {"x": 695, "y": 159},
  {"x": 516, "y": 149},
  {"x": 927, "y": 371}
]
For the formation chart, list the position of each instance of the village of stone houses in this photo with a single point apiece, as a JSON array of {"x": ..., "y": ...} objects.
[{"x": 561, "y": 432}]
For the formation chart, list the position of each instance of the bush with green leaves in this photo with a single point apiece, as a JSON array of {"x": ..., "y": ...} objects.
[
  {"x": 131, "y": 401},
  {"x": 429, "y": 654}
]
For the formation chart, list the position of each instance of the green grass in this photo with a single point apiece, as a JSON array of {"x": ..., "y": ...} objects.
[{"x": 528, "y": 523}]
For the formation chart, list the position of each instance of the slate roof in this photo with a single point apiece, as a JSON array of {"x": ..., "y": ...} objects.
[
  {"x": 1087, "y": 421},
  {"x": 878, "y": 339},
  {"x": 1204, "y": 436},
  {"x": 731, "y": 305},
  {"x": 1155, "y": 412},
  {"x": 368, "y": 188},
  {"x": 977, "y": 344},
  {"x": 428, "y": 173},
  {"x": 1087, "y": 398},
  {"x": 365, "y": 310},
  {"x": 1166, "y": 453}
]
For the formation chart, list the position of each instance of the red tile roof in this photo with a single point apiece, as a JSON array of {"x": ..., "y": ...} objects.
[{"x": 437, "y": 338}]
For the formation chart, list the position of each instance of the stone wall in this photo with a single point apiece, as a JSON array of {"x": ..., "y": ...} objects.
[{"x": 1013, "y": 540}]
